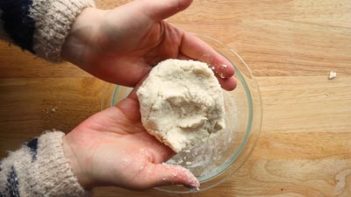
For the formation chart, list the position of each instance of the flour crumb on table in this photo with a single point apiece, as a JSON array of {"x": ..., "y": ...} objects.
[
  {"x": 332, "y": 75},
  {"x": 54, "y": 109}
]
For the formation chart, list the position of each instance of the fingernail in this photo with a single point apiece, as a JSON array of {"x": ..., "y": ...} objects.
[
  {"x": 195, "y": 184},
  {"x": 195, "y": 189},
  {"x": 221, "y": 75},
  {"x": 224, "y": 68},
  {"x": 190, "y": 180}
]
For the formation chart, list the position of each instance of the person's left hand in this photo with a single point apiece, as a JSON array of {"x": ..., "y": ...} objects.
[
  {"x": 112, "y": 148},
  {"x": 121, "y": 45}
]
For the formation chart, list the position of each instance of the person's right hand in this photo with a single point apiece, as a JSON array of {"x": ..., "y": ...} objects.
[{"x": 121, "y": 45}]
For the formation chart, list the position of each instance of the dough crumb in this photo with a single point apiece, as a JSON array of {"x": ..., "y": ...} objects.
[
  {"x": 181, "y": 103},
  {"x": 54, "y": 109},
  {"x": 332, "y": 75}
]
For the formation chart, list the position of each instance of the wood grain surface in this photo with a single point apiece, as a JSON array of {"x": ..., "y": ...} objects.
[{"x": 291, "y": 45}]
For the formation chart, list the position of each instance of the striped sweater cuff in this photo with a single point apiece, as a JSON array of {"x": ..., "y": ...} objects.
[
  {"x": 16, "y": 24},
  {"x": 53, "y": 19},
  {"x": 40, "y": 26},
  {"x": 3, "y": 35},
  {"x": 39, "y": 168}
]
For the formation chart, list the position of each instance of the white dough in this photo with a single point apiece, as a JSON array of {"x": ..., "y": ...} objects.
[{"x": 181, "y": 103}]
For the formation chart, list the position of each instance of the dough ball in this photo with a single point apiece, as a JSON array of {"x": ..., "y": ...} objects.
[{"x": 181, "y": 103}]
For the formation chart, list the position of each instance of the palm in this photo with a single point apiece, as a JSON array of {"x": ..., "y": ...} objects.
[
  {"x": 114, "y": 148},
  {"x": 124, "y": 43},
  {"x": 127, "y": 62}
]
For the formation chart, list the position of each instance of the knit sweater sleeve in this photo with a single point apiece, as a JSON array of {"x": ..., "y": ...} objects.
[
  {"x": 39, "y": 168},
  {"x": 39, "y": 26}
]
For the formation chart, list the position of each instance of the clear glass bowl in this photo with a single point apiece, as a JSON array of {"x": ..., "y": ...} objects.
[{"x": 225, "y": 152}]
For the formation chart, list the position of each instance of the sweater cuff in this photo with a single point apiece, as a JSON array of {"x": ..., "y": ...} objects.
[
  {"x": 51, "y": 171},
  {"x": 3, "y": 35},
  {"x": 54, "y": 19},
  {"x": 39, "y": 168}
]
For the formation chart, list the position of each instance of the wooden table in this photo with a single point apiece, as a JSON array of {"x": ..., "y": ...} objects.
[{"x": 291, "y": 45}]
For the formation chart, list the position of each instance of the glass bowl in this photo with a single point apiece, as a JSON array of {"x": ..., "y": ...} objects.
[{"x": 226, "y": 151}]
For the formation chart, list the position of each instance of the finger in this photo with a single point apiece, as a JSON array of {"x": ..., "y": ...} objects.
[
  {"x": 183, "y": 57},
  {"x": 228, "y": 83},
  {"x": 161, "y": 9},
  {"x": 160, "y": 152},
  {"x": 133, "y": 94},
  {"x": 197, "y": 49},
  {"x": 130, "y": 108},
  {"x": 165, "y": 174}
]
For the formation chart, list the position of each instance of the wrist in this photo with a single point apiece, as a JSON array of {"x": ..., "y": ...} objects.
[
  {"x": 83, "y": 36},
  {"x": 77, "y": 169}
]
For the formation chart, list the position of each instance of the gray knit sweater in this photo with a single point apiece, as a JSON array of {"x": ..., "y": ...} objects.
[
  {"x": 39, "y": 26},
  {"x": 39, "y": 168}
]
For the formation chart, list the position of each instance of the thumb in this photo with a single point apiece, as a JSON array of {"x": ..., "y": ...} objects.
[
  {"x": 165, "y": 174},
  {"x": 162, "y": 9}
]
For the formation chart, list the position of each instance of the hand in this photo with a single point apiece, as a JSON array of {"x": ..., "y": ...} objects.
[
  {"x": 121, "y": 45},
  {"x": 112, "y": 148}
]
